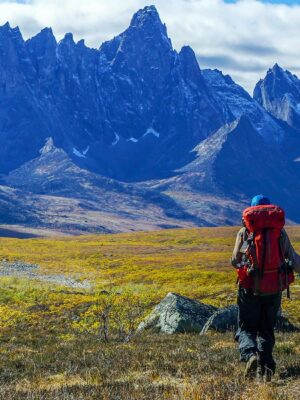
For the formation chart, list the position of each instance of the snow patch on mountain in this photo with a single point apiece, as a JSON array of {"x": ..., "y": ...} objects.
[
  {"x": 151, "y": 131},
  {"x": 116, "y": 141},
  {"x": 49, "y": 146},
  {"x": 79, "y": 153},
  {"x": 86, "y": 151}
]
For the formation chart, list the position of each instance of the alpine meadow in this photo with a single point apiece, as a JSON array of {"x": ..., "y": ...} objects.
[
  {"x": 57, "y": 343},
  {"x": 149, "y": 205}
]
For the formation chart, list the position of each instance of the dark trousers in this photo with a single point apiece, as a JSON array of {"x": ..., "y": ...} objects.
[{"x": 256, "y": 323}]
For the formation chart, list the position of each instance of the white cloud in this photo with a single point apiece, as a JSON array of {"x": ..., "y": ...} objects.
[{"x": 243, "y": 39}]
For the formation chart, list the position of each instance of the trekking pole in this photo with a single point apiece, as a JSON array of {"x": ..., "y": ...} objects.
[
  {"x": 288, "y": 292},
  {"x": 287, "y": 266}
]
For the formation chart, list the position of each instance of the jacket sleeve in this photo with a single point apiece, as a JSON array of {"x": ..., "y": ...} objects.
[
  {"x": 236, "y": 257},
  {"x": 290, "y": 253}
]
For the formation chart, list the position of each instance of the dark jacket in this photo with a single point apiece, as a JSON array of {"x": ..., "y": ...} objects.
[{"x": 287, "y": 246}]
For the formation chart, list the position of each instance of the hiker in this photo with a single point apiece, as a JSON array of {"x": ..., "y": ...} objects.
[{"x": 265, "y": 260}]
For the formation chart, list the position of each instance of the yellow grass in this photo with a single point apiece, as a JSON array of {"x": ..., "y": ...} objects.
[{"x": 52, "y": 346}]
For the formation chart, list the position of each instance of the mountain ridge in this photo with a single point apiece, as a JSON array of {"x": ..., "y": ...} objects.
[{"x": 137, "y": 130}]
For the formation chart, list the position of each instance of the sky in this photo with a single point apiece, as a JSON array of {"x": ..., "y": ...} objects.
[
  {"x": 243, "y": 38},
  {"x": 289, "y": 2}
]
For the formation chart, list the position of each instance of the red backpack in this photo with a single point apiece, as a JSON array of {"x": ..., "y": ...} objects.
[{"x": 265, "y": 270}]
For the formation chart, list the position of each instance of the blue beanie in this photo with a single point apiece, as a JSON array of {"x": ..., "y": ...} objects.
[{"x": 260, "y": 200}]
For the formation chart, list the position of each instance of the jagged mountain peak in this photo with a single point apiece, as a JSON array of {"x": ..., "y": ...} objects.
[
  {"x": 188, "y": 54},
  {"x": 279, "y": 73},
  {"x": 12, "y": 32},
  {"x": 279, "y": 94},
  {"x": 140, "y": 51},
  {"x": 190, "y": 65},
  {"x": 215, "y": 77},
  {"x": 242, "y": 127},
  {"x": 147, "y": 25},
  {"x": 235, "y": 101},
  {"x": 47, "y": 32},
  {"x": 208, "y": 149},
  {"x": 68, "y": 40},
  {"x": 225, "y": 160},
  {"x": 220, "y": 157},
  {"x": 276, "y": 68},
  {"x": 5, "y": 27},
  {"x": 8, "y": 28},
  {"x": 49, "y": 146},
  {"x": 243, "y": 122},
  {"x": 43, "y": 40},
  {"x": 146, "y": 16},
  {"x": 81, "y": 43},
  {"x": 146, "y": 33}
]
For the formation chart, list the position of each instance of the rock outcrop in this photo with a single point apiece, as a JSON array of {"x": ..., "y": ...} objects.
[
  {"x": 222, "y": 320},
  {"x": 179, "y": 314},
  {"x": 225, "y": 319}
]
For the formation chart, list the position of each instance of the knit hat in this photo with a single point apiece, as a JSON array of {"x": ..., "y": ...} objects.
[{"x": 260, "y": 200}]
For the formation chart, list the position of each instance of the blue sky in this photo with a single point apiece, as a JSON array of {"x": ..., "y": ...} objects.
[
  {"x": 289, "y": 2},
  {"x": 243, "y": 38}
]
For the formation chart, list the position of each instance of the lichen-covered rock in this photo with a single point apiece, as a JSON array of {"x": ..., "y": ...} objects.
[
  {"x": 226, "y": 319},
  {"x": 177, "y": 314},
  {"x": 222, "y": 320},
  {"x": 284, "y": 325}
]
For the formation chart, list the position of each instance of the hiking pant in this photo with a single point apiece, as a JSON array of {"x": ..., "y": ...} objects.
[{"x": 256, "y": 323}]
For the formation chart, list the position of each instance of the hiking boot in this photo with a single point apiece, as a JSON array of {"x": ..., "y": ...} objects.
[
  {"x": 268, "y": 375},
  {"x": 259, "y": 374},
  {"x": 251, "y": 367}
]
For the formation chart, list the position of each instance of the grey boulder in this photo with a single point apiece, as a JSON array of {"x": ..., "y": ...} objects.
[
  {"x": 222, "y": 320},
  {"x": 226, "y": 319},
  {"x": 177, "y": 314}
]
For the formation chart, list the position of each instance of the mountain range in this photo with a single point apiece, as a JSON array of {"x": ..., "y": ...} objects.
[{"x": 135, "y": 135}]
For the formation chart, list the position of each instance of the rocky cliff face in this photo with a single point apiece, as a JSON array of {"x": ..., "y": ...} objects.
[
  {"x": 190, "y": 143},
  {"x": 135, "y": 96},
  {"x": 279, "y": 94},
  {"x": 236, "y": 102}
]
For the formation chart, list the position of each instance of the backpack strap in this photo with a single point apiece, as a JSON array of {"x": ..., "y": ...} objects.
[
  {"x": 281, "y": 246},
  {"x": 266, "y": 244},
  {"x": 285, "y": 267},
  {"x": 253, "y": 270}
]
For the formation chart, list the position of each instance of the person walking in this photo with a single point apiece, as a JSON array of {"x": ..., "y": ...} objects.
[{"x": 265, "y": 261}]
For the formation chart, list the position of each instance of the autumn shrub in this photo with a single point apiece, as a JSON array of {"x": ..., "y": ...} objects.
[{"x": 114, "y": 314}]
